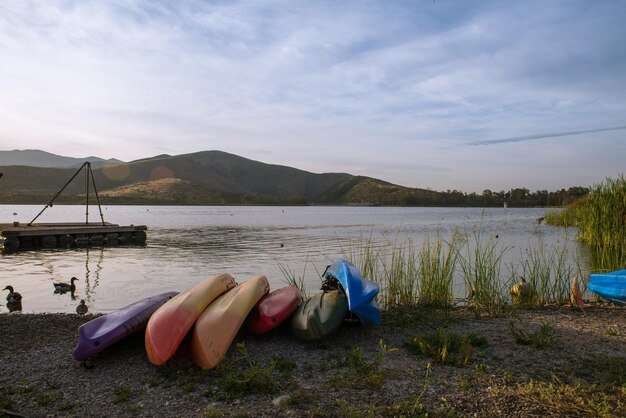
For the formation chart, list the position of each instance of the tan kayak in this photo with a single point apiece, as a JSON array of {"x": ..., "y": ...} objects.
[
  {"x": 218, "y": 325},
  {"x": 172, "y": 321}
]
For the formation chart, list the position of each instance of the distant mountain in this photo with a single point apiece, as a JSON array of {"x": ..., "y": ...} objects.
[
  {"x": 38, "y": 158},
  {"x": 207, "y": 177}
]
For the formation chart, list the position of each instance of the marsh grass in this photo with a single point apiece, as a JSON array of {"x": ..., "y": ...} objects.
[
  {"x": 480, "y": 265},
  {"x": 426, "y": 276},
  {"x": 437, "y": 264},
  {"x": 603, "y": 224},
  {"x": 606, "y": 258},
  {"x": 291, "y": 279},
  {"x": 549, "y": 274},
  {"x": 393, "y": 267}
]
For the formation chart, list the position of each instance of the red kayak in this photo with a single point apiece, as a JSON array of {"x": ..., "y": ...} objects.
[{"x": 273, "y": 309}]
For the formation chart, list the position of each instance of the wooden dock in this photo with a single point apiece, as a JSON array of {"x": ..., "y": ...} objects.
[{"x": 18, "y": 236}]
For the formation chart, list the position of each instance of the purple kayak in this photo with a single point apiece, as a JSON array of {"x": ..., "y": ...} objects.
[{"x": 100, "y": 333}]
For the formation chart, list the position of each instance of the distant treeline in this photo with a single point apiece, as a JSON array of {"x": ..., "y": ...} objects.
[{"x": 514, "y": 197}]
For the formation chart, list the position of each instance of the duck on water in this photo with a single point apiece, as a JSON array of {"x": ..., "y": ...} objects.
[
  {"x": 65, "y": 287},
  {"x": 14, "y": 299}
]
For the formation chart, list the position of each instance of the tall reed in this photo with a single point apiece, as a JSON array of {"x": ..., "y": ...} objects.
[
  {"x": 392, "y": 266},
  {"x": 481, "y": 271},
  {"x": 400, "y": 275},
  {"x": 292, "y": 279},
  {"x": 437, "y": 264},
  {"x": 548, "y": 274},
  {"x": 603, "y": 224}
]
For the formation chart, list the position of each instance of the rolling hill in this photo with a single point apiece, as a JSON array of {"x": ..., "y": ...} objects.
[
  {"x": 207, "y": 177},
  {"x": 38, "y": 158}
]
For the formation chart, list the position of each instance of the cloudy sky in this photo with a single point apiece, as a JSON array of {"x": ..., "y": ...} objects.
[{"x": 442, "y": 94}]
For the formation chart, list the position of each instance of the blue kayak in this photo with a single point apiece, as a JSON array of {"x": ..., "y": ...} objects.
[
  {"x": 360, "y": 292},
  {"x": 611, "y": 286}
]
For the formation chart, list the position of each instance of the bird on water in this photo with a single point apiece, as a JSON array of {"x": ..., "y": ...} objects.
[
  {"x": 13, "y": 297},
  {"x": 65, "y": 287},
  {"x": 82, "y": 308}
]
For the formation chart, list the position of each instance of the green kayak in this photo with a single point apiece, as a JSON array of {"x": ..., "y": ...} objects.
[{"x": 319, "y": 316}]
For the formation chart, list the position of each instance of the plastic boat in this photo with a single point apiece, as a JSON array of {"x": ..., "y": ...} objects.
[
  {"x": 171, "y": 322},
  {"x": 218, "y": 325},
  {"x": 611, "y": 286},
  {"x": 359, "y": 292},
  {"x": 102, "y": 332},
  {"x": 319, "y": 316},
  {"x": 273, "y": 309}
]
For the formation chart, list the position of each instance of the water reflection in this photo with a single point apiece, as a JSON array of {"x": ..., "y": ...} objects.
[{"x": 89, "y": 288}]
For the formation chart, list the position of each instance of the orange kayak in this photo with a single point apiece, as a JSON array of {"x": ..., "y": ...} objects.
[
  {"x": 218, "y": 325},
  {"x": 172, "y": 321}
]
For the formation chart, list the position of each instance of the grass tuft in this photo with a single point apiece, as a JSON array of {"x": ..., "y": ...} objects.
[
  {"x": 447, "y": 347},
  {"x": 544, "y": 337}
]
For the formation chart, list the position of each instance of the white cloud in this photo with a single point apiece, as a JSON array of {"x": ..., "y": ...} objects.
[{"x": 387, "y": 90}]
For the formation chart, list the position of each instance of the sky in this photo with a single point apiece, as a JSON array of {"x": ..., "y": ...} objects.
[{"x": 466, "y": 95}]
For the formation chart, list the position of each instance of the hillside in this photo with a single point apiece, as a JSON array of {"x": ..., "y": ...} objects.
[
  {"x": 207, "y": 177},
  {"x": 38, "y": 158}
]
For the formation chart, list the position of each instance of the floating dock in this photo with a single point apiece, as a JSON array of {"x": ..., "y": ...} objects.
[{"x": 17, "y": 236}]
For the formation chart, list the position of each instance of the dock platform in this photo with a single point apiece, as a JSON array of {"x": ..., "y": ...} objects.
[{"x": 18, "y": 236}]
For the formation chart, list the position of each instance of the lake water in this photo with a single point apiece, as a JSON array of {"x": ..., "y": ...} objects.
[{"x": 188, "y": 243}]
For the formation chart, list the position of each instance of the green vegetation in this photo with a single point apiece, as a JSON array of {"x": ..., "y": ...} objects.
[
  {"x": 121, "y": 394},
  {"x": 566, "y": 216},
  {"x": 481, "y": 271},
  {"x": 363, "y": 374},
  {"x": 237, "y": 375},
  {"x": 544, "y": 337},
  {"x": 447, "y": 347},
  {"x": 548, "y": 275},
  {"x": 437, "y": 262},
  {"x": 410, "y": 278},
  {"x": 601, "y": 221},
  {"x": 603, "y": 224},
  {"x": 573, "y": 399}
]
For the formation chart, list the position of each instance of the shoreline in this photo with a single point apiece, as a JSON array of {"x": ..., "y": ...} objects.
[{"x": 356, "y": 371}]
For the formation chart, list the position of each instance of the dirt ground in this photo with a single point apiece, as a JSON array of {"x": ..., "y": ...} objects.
[{"x": 358, "y": 371}]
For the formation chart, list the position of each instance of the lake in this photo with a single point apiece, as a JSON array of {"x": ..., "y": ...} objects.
[{"x": 188, "y": 243}]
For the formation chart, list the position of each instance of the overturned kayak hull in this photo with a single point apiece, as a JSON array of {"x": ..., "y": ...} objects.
[
  {"x": 319, "y": 316},
  {"x": 171, "y": 322},
  {"x": 102, "y": 332},
  {"x": 218, "y": 325},
  {"x": 359, "y": 292},
  {"x": 273, "y": 309},
  {"x": 611, "y": 286}
]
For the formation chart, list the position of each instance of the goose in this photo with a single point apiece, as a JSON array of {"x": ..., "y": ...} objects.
[
  {"x": 64, "y": 287},
  {"x": 82, "y": 308},
  {"x": 13, "y": 297}
]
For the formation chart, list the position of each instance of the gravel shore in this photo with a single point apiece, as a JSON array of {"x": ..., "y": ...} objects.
[{"x": 358, "y": 371}]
